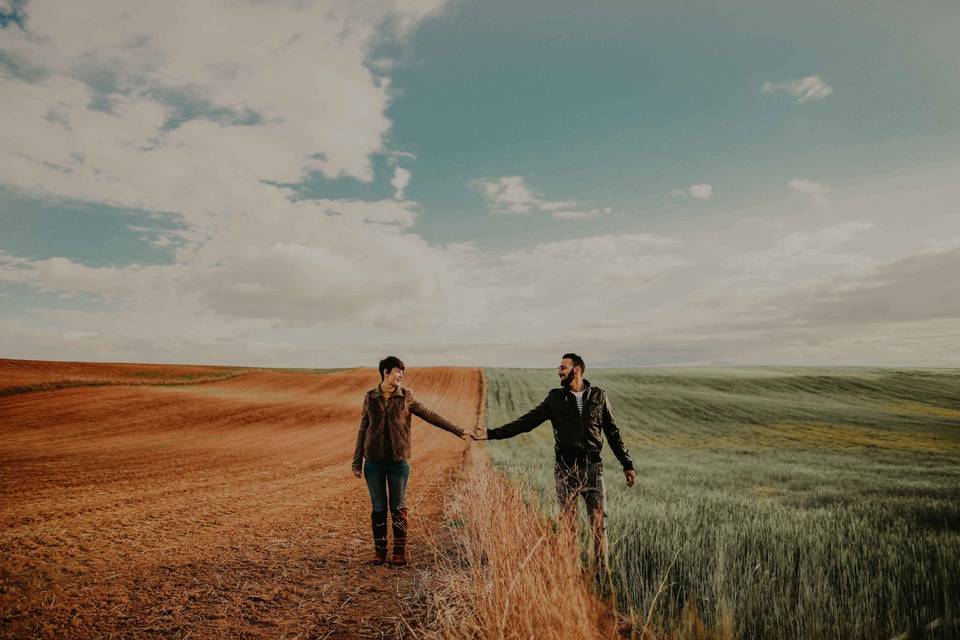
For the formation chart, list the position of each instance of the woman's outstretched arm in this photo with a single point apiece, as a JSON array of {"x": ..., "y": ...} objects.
[{"x": 434, "y": 418}]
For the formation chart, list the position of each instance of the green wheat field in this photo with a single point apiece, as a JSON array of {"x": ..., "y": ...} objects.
[{"x": 779, "y": 501}]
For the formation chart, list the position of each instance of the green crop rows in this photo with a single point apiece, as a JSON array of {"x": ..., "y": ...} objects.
[{"x": 799, "y": 502}]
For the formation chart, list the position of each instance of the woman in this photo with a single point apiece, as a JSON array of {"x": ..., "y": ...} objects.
[{"x": 384, "y": 440}]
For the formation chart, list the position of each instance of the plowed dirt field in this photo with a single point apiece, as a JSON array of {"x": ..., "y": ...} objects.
[{"x": 220, "y": 509}]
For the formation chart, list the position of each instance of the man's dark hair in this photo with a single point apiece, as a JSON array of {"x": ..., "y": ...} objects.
[
  {"x": 389, "y": 364},
  {"x": 577, "y": 361}
]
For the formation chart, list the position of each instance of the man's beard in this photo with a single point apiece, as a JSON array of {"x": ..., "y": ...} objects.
[{"x": 567, "y": 380}]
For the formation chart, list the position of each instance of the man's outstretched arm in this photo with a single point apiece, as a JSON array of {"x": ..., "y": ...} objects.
[{"x": 527, "y": 422}]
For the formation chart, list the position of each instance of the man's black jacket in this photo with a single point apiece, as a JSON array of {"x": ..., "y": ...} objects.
[{"x": 577, "y": 438}]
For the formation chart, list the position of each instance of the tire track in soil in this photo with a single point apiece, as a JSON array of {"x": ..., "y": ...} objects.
[{"x": 221, "y": 509}]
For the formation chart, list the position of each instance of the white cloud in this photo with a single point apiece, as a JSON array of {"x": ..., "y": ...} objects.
[
  {"x": 896, "y": 312},
  {"x": 349, "y": 300},
  {"x": 580, "y": 214},
  {"x": 65, "y": 275},
  {"x": 11, "y": 266},
  {"x": 251, "y": 253},
  {"x": 803, "y": 89},
  {"x": 300, "y": 68},
  {"x": 401, "y": 178},
  {"x": 199, "y": 343},
  {"x": 806, "y": 250},
  {"x": 817, "y": 192},
  {"x": 599, "y": 272},
  {"x": 701, "y": 191},
  {"x": 156, "y": 237},
  {"x": 919, "y": 287},
  {"x": 510, "y": 194},
  {"x": 698, "y": 191}
]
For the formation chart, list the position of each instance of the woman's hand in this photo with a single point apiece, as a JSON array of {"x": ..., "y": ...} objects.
[
  {"x": 479, "y": 434},
  {"x": 357, "y": 473}
]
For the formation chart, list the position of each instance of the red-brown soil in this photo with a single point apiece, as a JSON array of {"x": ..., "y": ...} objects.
[
  {"x": 33, "y": 375},
  {"x": 223, "y": 509}
]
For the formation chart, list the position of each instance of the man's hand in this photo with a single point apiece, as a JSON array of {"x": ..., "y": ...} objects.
[
  {"x": 466, "y": 435},
  {"x": 357, "y": 473},
  {"x": 479, "y": 433},
  {"x": 631, "y": 476}
]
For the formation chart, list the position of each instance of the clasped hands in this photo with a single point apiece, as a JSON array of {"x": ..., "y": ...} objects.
[{"x": 480, "y": 433}]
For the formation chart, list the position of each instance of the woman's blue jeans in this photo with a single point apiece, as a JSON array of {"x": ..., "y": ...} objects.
[{"x": 387, "y": 476}]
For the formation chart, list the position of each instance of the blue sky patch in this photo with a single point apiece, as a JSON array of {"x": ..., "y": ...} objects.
[{"x": 91, "y": 234}]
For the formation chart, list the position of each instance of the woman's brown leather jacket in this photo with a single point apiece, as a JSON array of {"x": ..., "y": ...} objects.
[{"x": 389, "y": 418}]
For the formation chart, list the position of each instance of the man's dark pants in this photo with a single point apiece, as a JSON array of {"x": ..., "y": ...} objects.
[{"x": 584, "y": 478}]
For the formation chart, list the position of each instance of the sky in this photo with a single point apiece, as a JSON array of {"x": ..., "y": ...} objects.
[{"x": 320, "y": 184}]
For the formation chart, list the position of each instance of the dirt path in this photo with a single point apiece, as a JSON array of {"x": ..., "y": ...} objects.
[{"x": 210, "y": 510}]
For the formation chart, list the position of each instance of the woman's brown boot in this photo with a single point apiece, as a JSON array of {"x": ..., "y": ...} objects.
[
  {"x": 378, "y": 521},
  {"x": 399, "y": 538}
]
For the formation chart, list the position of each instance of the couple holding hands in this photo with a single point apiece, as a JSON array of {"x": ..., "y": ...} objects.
[{"x": 580, "y": 414}]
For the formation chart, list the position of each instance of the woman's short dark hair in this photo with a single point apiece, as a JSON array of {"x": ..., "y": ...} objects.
[
  {"x": 389, "y": 364},
  {"x": 577, "y": 361}
]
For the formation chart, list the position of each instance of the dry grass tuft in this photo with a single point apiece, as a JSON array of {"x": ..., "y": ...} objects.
[{"x": 502, "y": 569}]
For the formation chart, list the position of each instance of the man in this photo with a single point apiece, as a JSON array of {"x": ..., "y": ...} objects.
[{"x": 580, "y": 414}]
